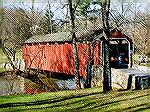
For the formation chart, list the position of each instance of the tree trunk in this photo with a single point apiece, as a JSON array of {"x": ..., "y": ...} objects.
[
  {"x": 74, "y": 45},
  {"x": 107, "y": 69},
  {"x": 14, "y": 55},
  {"x": 89, "y": 68},
  {"x": 50, "y": 19}
]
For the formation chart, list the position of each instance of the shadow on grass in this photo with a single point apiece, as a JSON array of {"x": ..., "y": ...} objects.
[
  {"x": 132, "y": 107},
  {"x": 142, "y": 109},
  {"x": 47, "y": 108},
  {"x": 107, "y": 103},
  {"x": 88, "y": 104},
  {"x": 54, "y": 100}
]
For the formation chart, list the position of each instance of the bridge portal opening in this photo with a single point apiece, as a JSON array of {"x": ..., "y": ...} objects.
[{"x": 120, "y": 53}]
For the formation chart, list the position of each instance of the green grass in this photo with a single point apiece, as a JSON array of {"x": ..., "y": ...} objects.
[
  {"x": 146, "y": 64},
  {"x": 86, "y": 100},
  {"x": 19, "y": 54},
  {"x": 3, "y": 57},
  {"x": 136, "y": 58},
  {"x": 2, "y": 70}
]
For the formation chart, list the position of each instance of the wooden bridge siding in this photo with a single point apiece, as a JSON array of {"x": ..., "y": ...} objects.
[{"x": 59, "y": 57}]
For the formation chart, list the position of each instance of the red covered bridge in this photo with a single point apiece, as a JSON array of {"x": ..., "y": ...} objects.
[{"x": 54, "y": 52}]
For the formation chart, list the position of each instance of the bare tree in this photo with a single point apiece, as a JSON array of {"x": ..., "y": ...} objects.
[
  {"x": 74, "y": 44},
  {"x": 131, "y": 19},
  {"x": 50, "y": 17},
  {"x": 17, "y": 29},
  {"x": 1, "y": 21},
  {"x": 107, "y": 71},
  {"x": 148, "y": 35}
]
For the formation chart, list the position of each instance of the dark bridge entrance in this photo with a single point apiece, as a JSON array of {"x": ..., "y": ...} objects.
[{"x": 120, "y": 50}]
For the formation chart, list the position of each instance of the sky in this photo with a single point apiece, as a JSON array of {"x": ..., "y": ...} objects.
[
  {"x": 42, "y": 1},
  {"x": 56, "y": 7},
  {"x": 30, "y": 1}
]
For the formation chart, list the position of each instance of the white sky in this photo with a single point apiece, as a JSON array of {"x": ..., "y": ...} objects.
[
  {"x": 58, "y": 12},
  {"x": 42, "y": 1},
  {"x": 30, "y": 1},
  {"x": 56, "y": 8}
]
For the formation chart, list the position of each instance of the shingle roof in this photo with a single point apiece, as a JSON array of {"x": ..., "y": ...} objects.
[
  {"x": 64, "y": 36},
  {"x": 55, "y": 37}
]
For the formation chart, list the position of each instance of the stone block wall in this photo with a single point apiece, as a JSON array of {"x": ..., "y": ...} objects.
[{"x": 11, "y": 85}]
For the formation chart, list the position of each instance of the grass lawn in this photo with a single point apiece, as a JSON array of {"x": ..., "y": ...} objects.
[
  {"x": 2, "y": 70},
  {"x": 3, "y": 57},
  {"x": 148, "y": 64},
  {"x": 86, "y": 100}
]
